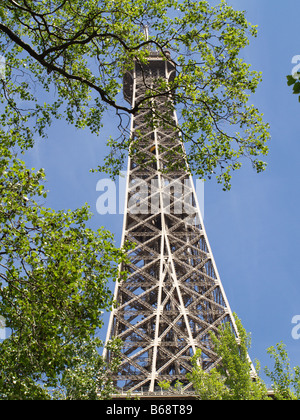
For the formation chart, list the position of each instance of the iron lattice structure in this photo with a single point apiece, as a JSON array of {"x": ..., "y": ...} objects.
[{"x": 173, "y": 296}]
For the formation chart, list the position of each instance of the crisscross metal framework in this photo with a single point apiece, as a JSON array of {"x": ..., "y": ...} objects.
[{"x": 173, "y": 296}]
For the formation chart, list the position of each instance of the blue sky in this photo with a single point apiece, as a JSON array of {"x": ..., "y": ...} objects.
[{"x": 254, "y": 229}]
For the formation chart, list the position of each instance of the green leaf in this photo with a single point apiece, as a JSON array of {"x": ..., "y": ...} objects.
[
  {"x": 296, "y": 88},
  {"x": 290, "y": 80}
]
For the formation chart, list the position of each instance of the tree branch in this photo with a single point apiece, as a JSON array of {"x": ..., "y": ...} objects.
[{"x": 52, "y": 67}]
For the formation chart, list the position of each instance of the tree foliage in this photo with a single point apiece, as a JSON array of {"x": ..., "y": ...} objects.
[
  {"x": 90, "y": 376},
  {"x": 285, "y": 380},
  {"x": 65, "y": 59},
  {"x": 233, "y": 379},
  {"x": 54, "y": 275},
  {"x": 293, "y": 80}
]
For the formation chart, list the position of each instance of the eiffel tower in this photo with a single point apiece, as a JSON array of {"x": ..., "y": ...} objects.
[{"x": 173, "y": 296}]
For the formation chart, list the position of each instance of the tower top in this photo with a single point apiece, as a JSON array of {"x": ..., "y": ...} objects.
[{"x": 159, "y": 65}]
